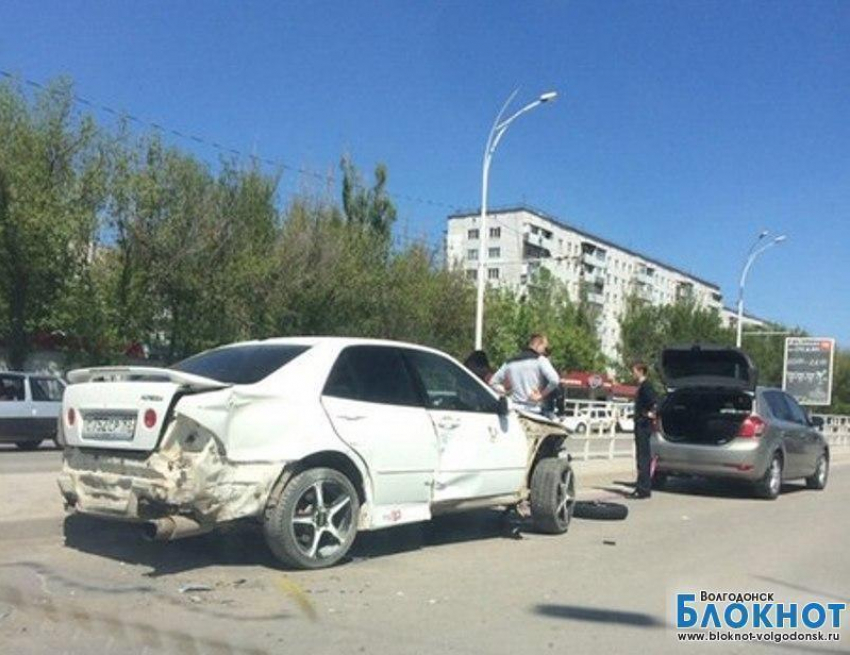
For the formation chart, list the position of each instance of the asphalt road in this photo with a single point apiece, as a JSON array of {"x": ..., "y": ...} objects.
[{"x": 458, "y": 585}]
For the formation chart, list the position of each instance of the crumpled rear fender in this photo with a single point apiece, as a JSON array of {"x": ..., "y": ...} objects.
[
  {"x": 189, "y": 475},
  {"x": 219, "y": 459}
]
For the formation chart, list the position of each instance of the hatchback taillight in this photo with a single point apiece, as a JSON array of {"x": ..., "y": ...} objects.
[
  {"x": 753, "y": 426},
  {"x": 72, "y": 416}
]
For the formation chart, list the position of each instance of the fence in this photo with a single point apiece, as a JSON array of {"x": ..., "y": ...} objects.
[
  {"x": 836, "y": 429},
  {"x": 598, "y": 417}
]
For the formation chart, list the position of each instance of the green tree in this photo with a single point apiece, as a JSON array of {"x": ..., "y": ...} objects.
[
  {"x": 546, "y": 308},
  {"x": 188, "y": 257},
  {"x": 371, "y": 207},
  {"x": 53, "y": 187},
  {"x": 646, "y": 329},
  {"x": 841, "y": 383}
]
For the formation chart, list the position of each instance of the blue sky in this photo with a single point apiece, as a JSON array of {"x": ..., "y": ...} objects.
[{"x": 682, "y": 128}]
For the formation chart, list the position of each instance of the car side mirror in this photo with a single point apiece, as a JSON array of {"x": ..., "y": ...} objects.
[
  {"x": 503, "y": 408},
  {"x": 816, "y": 422}
]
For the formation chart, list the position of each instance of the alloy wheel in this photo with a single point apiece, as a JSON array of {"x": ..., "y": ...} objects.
[
  {"x": 322, "y": 519},
  {"x": 565, "y": 496},
  {"x": 775, "y": 475},
  {"x": 822, "y": 470}
]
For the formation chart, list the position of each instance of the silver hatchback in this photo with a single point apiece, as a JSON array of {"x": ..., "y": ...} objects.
[{"x": 716, "y": 422}]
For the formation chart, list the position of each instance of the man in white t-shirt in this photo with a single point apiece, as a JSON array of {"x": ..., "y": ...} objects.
[{"x": 529, "y": 377}]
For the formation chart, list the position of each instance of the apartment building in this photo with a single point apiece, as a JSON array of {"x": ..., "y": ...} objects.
[{"x": 520, "y": 239}]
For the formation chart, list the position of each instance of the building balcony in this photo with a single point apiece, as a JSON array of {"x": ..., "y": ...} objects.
[
  {"x": 645, "y": 278},
  {"x": 595, "y": 298},
  {"x": 532, "y": 251},
  {"x": 594, "y": 278},
  {"x": 644, "y": 292},
  {"x": 594, "y": 259}
]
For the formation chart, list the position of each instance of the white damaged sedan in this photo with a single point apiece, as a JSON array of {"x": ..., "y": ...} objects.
[{"x": 316, "y": 437}]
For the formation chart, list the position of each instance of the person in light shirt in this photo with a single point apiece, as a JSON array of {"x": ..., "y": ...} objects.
[{"x": 528, "y": 378}]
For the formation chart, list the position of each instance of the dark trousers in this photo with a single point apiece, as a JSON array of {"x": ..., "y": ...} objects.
[{"x": 643, "y": 430}]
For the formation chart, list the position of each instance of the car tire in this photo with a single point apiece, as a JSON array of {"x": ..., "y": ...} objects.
[
  {"x": 581, "y": 428},
  {"x": 598, "y": 510},
  {"x": 819, "y": 478},
  {"x": 552, "y": 495},
  {"x": 312, "y": 522},
  {"x": 28, "y": 445},
  {"x": 770, "y": 483}
]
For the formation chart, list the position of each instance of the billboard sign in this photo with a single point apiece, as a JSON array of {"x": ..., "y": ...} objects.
[{"x": 807, "y": 374}]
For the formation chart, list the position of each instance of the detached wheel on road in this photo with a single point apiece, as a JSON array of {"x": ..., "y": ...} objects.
[
  {"x": 313, "y": 521},
  {"x": 552, "y": 495},
  {"x": 28, "y": 445},
  {"x": 769, "y": 485},
  {"x": 598, "y": 510},
  {"x": 818, "y": 479}
]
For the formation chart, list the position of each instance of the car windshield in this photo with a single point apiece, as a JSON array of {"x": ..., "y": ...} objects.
[{"x": 240, "y": 364}]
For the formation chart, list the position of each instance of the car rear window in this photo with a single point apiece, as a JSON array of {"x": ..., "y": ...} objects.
[
  {"x": 46, "y": 390},
  {"x": 240, "y": 364}
]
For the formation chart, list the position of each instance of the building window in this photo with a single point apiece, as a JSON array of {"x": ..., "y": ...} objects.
[
  {"x": 472, "y": 254},
  {"x": 492, "y": 273},
  {"x": 535, "y": 229},
  {"x": 546, "y": 234},
  {"x": 495, "y": 232},
  {"x": 471, "y": 274},
  {"x": 494, "y": 253},
  {"x": 472, "y": 234}
]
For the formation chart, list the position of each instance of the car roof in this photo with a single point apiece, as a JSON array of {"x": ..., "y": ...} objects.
[{"x": 339, "y": 342}]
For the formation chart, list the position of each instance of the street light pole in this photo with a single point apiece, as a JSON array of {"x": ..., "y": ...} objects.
[
  {"x": 496, "y": 132},
  {"x": 751, "y": 257}
]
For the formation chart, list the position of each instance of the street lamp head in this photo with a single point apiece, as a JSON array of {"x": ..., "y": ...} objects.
[
  {"x": 763, "y": 234},
  {"x": 780, "y": 238},
  {"x": 548, "y": 96}
]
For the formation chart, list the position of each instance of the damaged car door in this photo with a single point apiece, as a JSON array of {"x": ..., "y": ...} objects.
[
  {"x": 374, "y": 406},
  {"x": 481, "y": 453}
]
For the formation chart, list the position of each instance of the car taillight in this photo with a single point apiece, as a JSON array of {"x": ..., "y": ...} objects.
[
  {"x": 72, "y": 416},
  {"x": 753, "y": 426},
  {"x": 150, "y": 418}
]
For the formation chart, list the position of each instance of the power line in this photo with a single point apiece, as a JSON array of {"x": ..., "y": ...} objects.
[{"x": 195, "y": 138}]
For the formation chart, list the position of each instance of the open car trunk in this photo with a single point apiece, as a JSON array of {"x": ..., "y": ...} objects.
[{"x": 704, "y": 416}]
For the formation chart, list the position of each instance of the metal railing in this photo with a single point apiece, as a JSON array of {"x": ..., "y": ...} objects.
[{"x": 836, "y": 429}]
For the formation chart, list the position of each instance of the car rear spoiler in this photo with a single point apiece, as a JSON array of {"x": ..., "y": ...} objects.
[{"x": 142, "y": 373}]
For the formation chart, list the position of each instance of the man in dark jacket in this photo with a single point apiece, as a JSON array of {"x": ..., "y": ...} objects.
[{"x": 646, "y": 405}]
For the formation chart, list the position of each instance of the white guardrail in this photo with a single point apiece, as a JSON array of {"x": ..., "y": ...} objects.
[
  {"x": 604, "y": 438},
  {"x": 836, "y": 429}
]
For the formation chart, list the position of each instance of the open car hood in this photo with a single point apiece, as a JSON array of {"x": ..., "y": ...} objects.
[{"x": 708, "y": 366}]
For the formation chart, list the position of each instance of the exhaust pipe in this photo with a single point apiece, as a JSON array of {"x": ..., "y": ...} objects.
[{"x": 170, "y": 528}]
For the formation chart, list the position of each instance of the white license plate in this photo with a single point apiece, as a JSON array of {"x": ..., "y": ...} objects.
[{"x": 112, "y": 427}]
